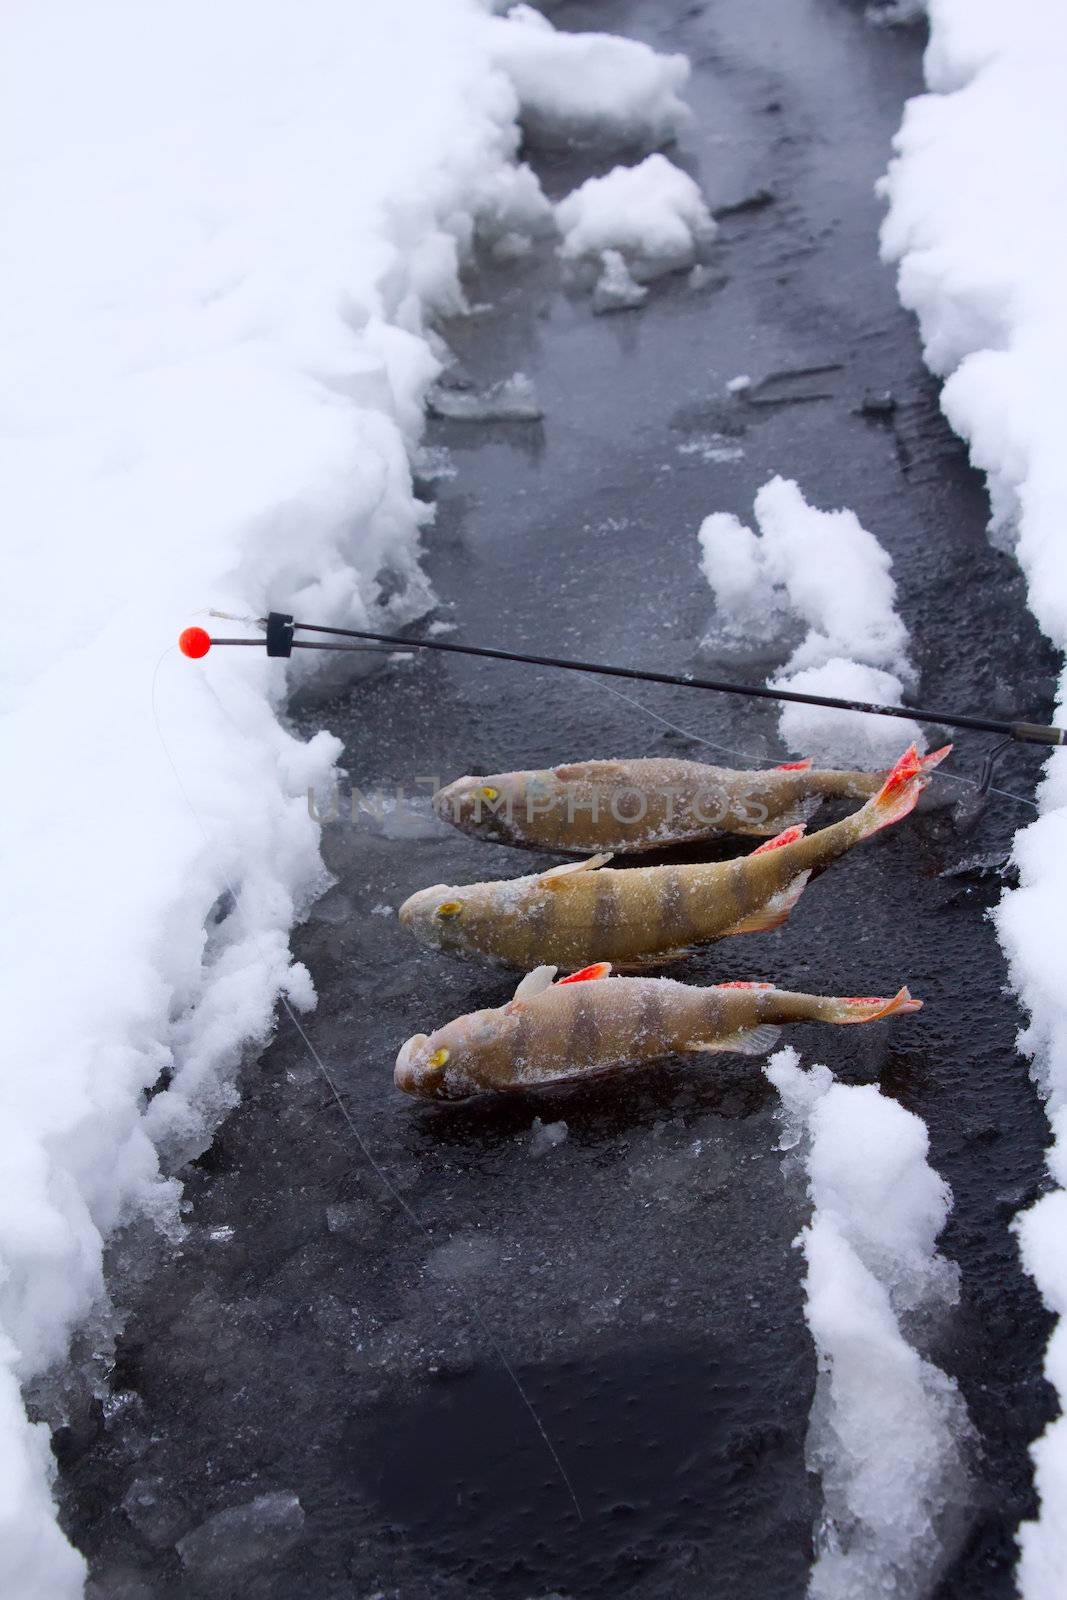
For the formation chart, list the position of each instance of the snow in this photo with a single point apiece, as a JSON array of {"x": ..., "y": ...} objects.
[
  {"x": 227, "y": 231},
  {"x": 616, "y": 289},
  {"x": 653, "y": 215},
  {"x": 823, "y": 571},
  {"x": 590, "y": 85},
  {"x": 994, "y": 324},
  {"x": 888, "y": 1430}
]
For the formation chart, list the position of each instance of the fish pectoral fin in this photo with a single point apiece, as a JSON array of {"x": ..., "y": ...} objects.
[
  {"x": 535, "y": 982},
  {"x": 774, "y": 912},
  {"x": 559, "y": 877},
  {"x": 746, "y": 1042},
  {"x": 656, "y": 958},
  {"x": 801, "y": 812}
]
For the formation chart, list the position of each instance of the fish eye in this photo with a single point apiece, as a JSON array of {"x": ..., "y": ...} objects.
[
  {"x": 489, "y": 793},
  {"x": 450, "y": 908},
  {"x": 438, "y": 1059}
]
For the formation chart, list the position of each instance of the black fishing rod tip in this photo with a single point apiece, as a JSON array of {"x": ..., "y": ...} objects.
[{"x": 279, "y": 633}]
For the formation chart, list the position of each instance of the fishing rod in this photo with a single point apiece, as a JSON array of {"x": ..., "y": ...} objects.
[{"x": 280, "y": 641}]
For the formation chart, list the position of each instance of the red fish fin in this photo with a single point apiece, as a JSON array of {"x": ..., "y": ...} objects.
[
  {"x": 599, "y": 969},
  {"x": 790, "y": 836},
  {"x": 872, "y": 1008},
  {"x": 774, "y": 912},
  {"x": 742, "y": 983},
  {"x": 794, "y": 766},
  {"x": 901, "y": 790}
]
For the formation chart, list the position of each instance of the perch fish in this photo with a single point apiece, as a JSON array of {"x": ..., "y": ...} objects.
[
  {"x": 558, "y": 1032},
  {"x": 629, "y": 806},
  {"x": 580, "y": 912}
]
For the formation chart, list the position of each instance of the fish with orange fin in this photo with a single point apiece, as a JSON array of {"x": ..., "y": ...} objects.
[
  {"x": 582, "y": 911},
  {"x": 629, "y": 806},
  {"x": 593, "y": 1023}
]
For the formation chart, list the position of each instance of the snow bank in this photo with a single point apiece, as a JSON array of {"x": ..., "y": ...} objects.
[
  {"x": 821, "y": 570},
  {"x": 993, "y": 319},
  {"x": 888, "y": 1429},
  {"x": 226, "y": 228},
  {"x": 652, "y": 215},
  {"x": 590, "y": 85}
]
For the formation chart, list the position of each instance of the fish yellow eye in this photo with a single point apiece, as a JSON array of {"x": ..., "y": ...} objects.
[
  {"x": 489, "y": 793},
  {"x": 450, "y": 908},
  {"x": 438, "y": 1059}
]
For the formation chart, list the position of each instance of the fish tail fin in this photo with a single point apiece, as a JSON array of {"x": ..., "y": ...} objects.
[
  {"x": 900, "y": 791},
  {"x": 871, "y": 1008}
]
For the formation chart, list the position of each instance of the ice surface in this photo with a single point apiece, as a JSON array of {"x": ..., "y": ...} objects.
[
  {"x": 243, "y": 1536},
  {"x": 653, "y": 215},
  {"x": 590, "y": 85},
  {"x": 513, "y": 399},
  {"x": 215, "y": 339},
  {"x": 822, "y": 570},
  {"x": 159, "y": 1517},
  {"x": 888, "y": 1430},
  {"x": 993, "y": 318}
]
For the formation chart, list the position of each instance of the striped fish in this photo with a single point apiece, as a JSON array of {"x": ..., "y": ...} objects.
[
  {"x": 558, "y": 1032},
  {"x": 580, "y": 912},
  {"x": 629, "y": 806}
]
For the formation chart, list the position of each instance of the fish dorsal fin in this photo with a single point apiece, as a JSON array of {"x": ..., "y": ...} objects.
[
  {"x": 577, "y": 770},
  {"x": 746, "y": 1042},
  {"x": 743, "y": 983},
  {"x": 535, "y": 982},
  {"x": 599, "y": 969},
  {"x": 794, "y": 766},
  {"x": 558, "y": 877},
  {"x": 789, "y": 836},
  {"x": 774, "y": 912}
]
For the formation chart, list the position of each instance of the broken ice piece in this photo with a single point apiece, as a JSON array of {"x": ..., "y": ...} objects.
[
  {"x": 615, "y": 289},
  {"x": 512, "y": 399},
  {"x": 739, "y": 384},
  {"x": 546, "y": 1136},
  {"x": 878, "y": 403},
  {"x": 261, "y": 1530},
  {"x": 155, "y": 1512}
]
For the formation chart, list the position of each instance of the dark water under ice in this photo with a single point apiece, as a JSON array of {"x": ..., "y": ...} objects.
[{"x": 307, "y": 1338}]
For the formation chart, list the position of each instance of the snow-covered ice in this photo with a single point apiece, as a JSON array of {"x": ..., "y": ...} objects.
[
  {"x": 590, "y": 85},
  {"x": 616, "y": 289},
  {"x": 987, "y": 142},
  {"x": 652, "y": 215},
  {"x": 216, "y": 349},
  {"x": 888, "y": 1433},
  {"x": 823, "y": 571}
]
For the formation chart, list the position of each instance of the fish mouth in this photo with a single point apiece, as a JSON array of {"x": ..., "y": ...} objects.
[{"x": 405, "y": 1073}]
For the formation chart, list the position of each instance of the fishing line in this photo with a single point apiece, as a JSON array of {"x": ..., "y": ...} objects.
[
  {"x": 768, "y": 761},
  {"x": 465, "y": 1303}
]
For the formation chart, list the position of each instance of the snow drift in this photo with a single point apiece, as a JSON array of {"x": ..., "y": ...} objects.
[
  {"x": 823, "y": 571},
  {"x": 888, "y": 1429},
  {"x": 227, "y": 228},
  {"x": 993, "y": 320}
]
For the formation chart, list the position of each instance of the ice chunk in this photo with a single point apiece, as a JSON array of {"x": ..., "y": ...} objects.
[
  {"x": 244, "y": 1536},
  {"x": 653, "y": 215},
  {"x": 546, "y": 1136},
  {"x": 889, "y": 1431},
  {"x": 589, "y": 85},
  {"x": 615, "y": 289},
  {"x": 512, "y": 399},
  {"x": 464, "y": 1257},
  {"x": 155, "y": 1511}
]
